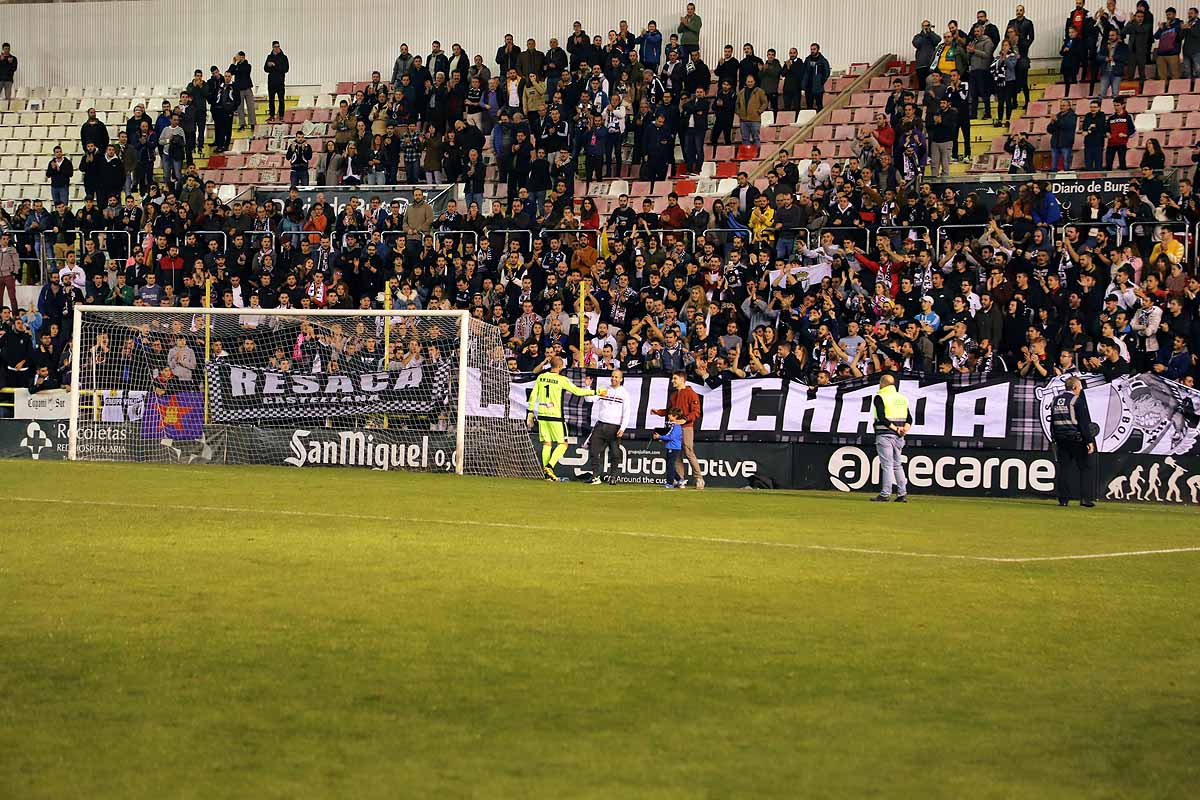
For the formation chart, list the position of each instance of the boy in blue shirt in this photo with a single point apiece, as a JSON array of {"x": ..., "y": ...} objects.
[{"x": 672, "y": 439}]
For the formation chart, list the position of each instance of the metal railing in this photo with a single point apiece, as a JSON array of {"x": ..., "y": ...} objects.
[
  {"x": 299, "y": 236},
  {"x": 860, "y": 236},
  {"x": 947, "y": 232},
  {"x": 725, "y": 236},
  {"x": 546, "y": 234},
  {"x": 100, "y": 237},
  {"x": 688, "y": 232},
  {"x": 31, "y": 251},
  {"x": 368, "y": 237},
  {"x": 257, "y": 236},
  {"x": 1115, "y": 231},
  {"x": 1148, "y": 234},
  {"x": 509, "y": 234},
  {"x": 448, "y": 234},
  {"x": 940, "y": 235},
  {"x": 903, "y": 229}
]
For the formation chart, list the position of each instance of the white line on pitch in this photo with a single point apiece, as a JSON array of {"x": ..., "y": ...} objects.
[{"x": 630, "y": 534}]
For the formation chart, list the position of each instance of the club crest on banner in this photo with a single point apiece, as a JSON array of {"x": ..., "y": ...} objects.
[{"x": 1134, "y": 414}]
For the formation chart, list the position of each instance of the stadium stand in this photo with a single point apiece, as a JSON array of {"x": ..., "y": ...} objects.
[{"x": 855, "y": 167}]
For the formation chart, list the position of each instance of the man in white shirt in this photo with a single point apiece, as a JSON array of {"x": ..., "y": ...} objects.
[
  {"x": 616, "y": 414},
  {"x": 72, "y": 272},
  {"x": 603, "y": 337}
]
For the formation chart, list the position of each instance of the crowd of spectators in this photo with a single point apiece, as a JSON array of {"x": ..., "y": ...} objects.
[{"x": 838, "y": 268}]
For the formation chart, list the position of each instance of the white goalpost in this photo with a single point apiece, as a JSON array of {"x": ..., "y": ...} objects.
[{"x": 417, "y": 390}]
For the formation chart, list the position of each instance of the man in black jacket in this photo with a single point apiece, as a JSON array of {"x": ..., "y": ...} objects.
[
  {"x": 1023, "y": 25},
  {"x": 186, "y": 110},
  {"x": 198, "y": 89},
  {"x": 1094, "y": 128},
  {"x": 8, "y": 69},
  {"x": 299, "y": 153},
  {"x": 1074, "y": 442},
  {"x": 111, "y": 180},
  {"x": 943, "y": 134},
  {"x": 696, "y": 74},
  {"x": 276, "y": 68},
  {"x": 93, "y": 130},
  {"x": 225, "y": 102},
  {"x": 506, "y": 55},
  {"x": 960, "y": 94},
  {"x": 244, "y": 86}
]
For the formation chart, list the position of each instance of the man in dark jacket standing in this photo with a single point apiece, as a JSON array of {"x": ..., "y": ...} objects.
[
  {"x": 942, "y": 128},
  {"x": 112, "y": 175},
  {"x": 225, "y": 102},
  {"x": 8, "y": 70},
  {"x": 244, "y": 86},
  {"x": 793, "y": 75},
  {"x": 1062, "y": 136},
  {"x": 199, "y": 92},
  {"x": 1139, "y": 36},
  {"x": 816, "y": 72},
  {"x": 1074, "y": 443},
  {"x": 1023, "y": 25},
  {"x": 59, "y": 172},
  {"x": 276, "y": 67},
  {"x": 1191, "y": 44},
  {"x": 93, "y": 131},
  {"x": 924, "y": 43},
  {"x": 1094, "y": 128}
]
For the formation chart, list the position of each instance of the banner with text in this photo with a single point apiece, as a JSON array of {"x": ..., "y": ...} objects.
[
  {"x": 1135, "y": 413},
  {"x": 48, "y": 404},
  {"x": 239, "y": 393}
]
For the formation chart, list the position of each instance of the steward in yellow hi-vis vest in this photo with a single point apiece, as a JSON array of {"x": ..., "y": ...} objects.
[{"x": 892, "y": 420}]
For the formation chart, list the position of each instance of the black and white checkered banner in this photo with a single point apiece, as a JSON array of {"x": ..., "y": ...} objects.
[
  {"x": 241, "y": 393},
  {"x": 1135, "y": 414}
]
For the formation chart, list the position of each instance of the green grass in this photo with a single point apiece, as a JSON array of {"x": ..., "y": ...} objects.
[{"x": 396, "y": 647}]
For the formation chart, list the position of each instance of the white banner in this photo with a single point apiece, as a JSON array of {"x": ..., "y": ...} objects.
[{"x": 47, "y": 404}]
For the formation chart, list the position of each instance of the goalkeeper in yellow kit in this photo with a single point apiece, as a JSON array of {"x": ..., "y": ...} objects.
[{"x": 546, "y": 406}]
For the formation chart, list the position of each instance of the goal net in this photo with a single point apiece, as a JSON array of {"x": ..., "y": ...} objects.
[{"x": 411, "y": 390}]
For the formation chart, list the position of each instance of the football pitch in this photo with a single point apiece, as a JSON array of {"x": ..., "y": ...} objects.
[{"x": 216, "y": 632}]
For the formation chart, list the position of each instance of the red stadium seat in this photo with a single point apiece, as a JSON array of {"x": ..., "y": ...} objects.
[
  {"x": 1153, "y": 88},
  {"x": 842, "y": 116},
  {"x": 1055, "y": 91},
  {"x": 726, "y": 170},
  {"x": 1180, "y": 138},
  {"x": 1187, "y": 102},
  {"x": 1136, "y": 105}
]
